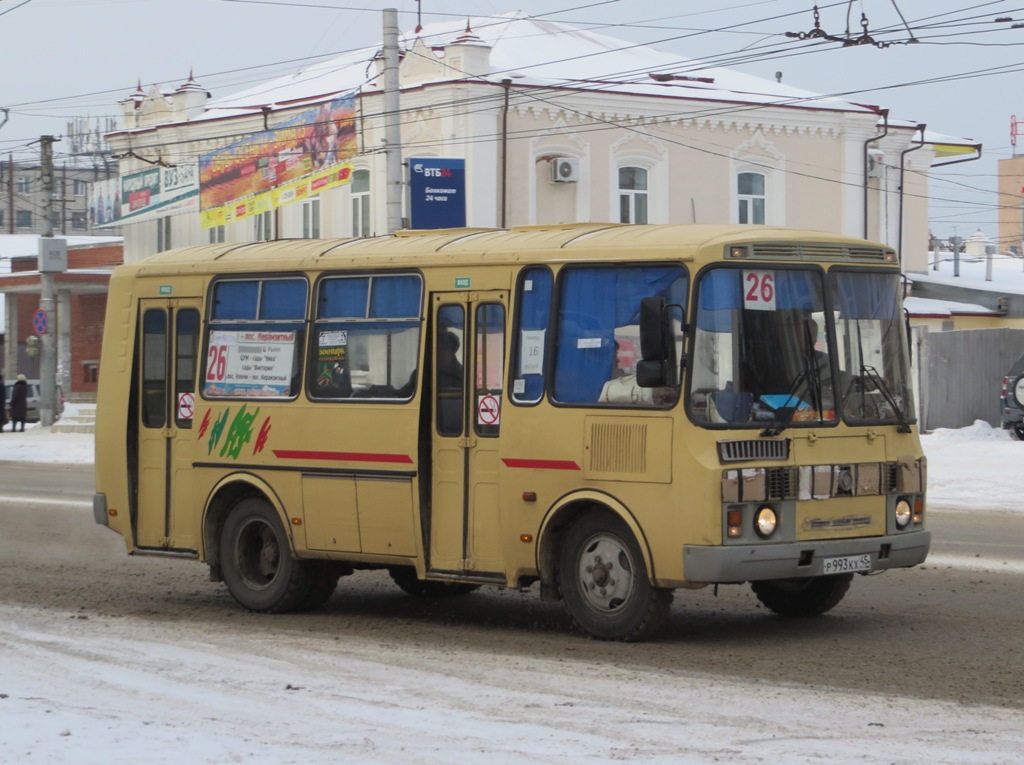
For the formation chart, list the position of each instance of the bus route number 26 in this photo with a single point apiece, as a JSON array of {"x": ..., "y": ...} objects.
[
  {"x": 759, "y": 290},
  {"x": 217, "y": 363}
]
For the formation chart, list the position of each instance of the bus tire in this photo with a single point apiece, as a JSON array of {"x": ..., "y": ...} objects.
[
  {"x": 323, "y": 581},
  {"x": 603, "y": 581},
  {"x": 405, "y": 577},
  {"x": 802, "y": 597},
  {"x": 257, "y": 563}
]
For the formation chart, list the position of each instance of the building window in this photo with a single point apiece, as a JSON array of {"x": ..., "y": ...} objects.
[
  {"x": 216, "y": 235},
  {"x": 78, "y": 221},
  {"x": 750, "y": 193},
  {"x": 23, "y": 219},
  {"x": 311, "y": 218},
  {"x": 163, "y": 234},
  {"x": 632, "y": 195},
  {"x": 1, "y": 218},
  {"x": 361, "y": 203},
  {"x": 90, "y": 371},
  {"x": 263, "y": 226},
  {"x": 24, "y": 184},
  {"x": 78, "y": 187}
]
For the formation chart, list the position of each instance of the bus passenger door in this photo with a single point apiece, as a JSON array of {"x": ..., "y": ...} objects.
[
  {"x": 467, "y": 384},
  {"x": 165, "y": 389}
]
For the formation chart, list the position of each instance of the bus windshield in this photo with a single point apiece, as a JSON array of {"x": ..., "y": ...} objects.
[
  {"x": 764, "y": 354},
  {"x": 871, "y": 347},
  {"x": 760, "y": 348}
]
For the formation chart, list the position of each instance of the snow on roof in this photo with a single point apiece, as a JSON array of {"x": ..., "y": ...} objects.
[
  {"x": 1007, "y": 273},
  {"x": 23, "y": 245},
  {"x": 521, "y": 49}
]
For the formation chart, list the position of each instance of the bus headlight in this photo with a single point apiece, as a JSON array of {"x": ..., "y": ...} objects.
[
  {"x": 765, "y": 521},
  {"x": 903, "y": 513}
]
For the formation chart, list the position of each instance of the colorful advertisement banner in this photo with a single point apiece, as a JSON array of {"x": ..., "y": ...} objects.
[
  {"x": 144, "y": 195},
  {"x": 303, "y": 156}
]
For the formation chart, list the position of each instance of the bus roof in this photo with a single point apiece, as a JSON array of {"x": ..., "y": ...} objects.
[{"x": 547, "y": 243}]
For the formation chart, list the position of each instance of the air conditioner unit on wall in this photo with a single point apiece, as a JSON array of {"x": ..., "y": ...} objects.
[
  {"x": 876, "y": 163},
  {"x": 565, "y": 170}
]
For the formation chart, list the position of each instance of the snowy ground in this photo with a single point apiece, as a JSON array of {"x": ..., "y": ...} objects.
[{"x": 121, "y": 692}]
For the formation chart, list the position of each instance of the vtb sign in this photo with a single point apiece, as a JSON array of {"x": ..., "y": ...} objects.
[{"x": 437, "y": 192}]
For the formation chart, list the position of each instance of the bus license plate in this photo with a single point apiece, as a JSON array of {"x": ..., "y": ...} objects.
[{"x": 846, "y": 564}]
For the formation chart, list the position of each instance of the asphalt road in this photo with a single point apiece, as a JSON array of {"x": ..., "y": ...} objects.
[{"x": 940, "y": 631}]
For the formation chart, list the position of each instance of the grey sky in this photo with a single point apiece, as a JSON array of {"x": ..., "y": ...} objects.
[{"x": 66, "y": 58}]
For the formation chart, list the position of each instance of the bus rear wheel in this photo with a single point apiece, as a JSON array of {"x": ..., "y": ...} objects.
[
  {"x": 802, "y": 597},
  {"x": 603, "y": 581},
  {"x": 257, "y": 564}
]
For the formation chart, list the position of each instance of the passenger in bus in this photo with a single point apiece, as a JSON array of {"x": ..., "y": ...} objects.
[
  {"x": 341, "y": 380},
  {"x": 622, "y": 387},
  {"x": 449, "y": 368}
]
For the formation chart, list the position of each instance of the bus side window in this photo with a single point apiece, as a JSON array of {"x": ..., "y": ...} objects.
[
  {"x": 449, "y": 370},
  {"x": 533, "y": 316},
  {"x": 490, "y": 353},
  {"x": 154, "y": 369},
  {"x": 186, "y": 352}
]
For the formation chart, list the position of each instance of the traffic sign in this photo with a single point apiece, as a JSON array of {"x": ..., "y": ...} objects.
[{"x": 40, "y": 322}]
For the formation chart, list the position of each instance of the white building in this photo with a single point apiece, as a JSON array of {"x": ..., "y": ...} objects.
[{"x": 549, "y": 123}]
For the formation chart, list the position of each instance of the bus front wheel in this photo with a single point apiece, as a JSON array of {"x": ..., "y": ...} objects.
[
  {"x": 256, "y": 560},
  {"x": 802, "y": 597},
  {"x": 603, "y": 580}
]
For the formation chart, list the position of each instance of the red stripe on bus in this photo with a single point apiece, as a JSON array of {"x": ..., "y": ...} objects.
[
  {"x": 289, "y": 454},
  {"x": 541, "y": 464}
]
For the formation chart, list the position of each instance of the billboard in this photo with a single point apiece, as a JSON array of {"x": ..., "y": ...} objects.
[
  {"x": 437, "y": 192},
  {"x": 304, "y": 155},
  {"x": 144, "y": 195}
]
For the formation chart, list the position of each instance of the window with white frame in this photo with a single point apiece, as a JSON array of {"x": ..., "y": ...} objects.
[
  {"x": 311, "y": 218},
  {"x": 263, "y": 226},
  {"x": 24, "y": 184},
  {"x": 78, "y": 221},
  {"x": 751, "y": 197},
  {"x": 78, "y": 187},
  {"x": 216, "y": 235},
  {"x": 360, "y": 190},
  {"x": 632, "y": 195},
  {"x": 23, "y": 219}
]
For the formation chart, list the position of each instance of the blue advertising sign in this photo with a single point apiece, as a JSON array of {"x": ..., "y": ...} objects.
[{"x": 437, "y": 192}]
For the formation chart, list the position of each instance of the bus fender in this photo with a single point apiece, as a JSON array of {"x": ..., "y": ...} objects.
[
  {"x": 222, "y": 497},
  {"x": 557, "y": 520}
]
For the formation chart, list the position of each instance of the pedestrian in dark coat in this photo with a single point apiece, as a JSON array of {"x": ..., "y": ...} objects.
[
  {"x": 3, "y": 404},
  {"x": 19, "y": 403}
]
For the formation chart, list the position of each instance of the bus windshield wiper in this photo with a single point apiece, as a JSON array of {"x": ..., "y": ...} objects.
[
  {"x": 871, "y": 373},
  {"x": 784, "y": 414}
]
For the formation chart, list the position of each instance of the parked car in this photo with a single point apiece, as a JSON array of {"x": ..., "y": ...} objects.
[
  {"x": 34, "y": 396},
  {"x": 1012, "y": 400}
]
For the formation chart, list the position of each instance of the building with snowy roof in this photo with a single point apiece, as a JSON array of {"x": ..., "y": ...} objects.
[{"x": 515, "y": 121}]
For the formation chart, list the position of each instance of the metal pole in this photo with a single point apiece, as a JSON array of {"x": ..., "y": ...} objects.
[
  {"x": 392, "y": 123},
  {"x": 47, "y": 304}
]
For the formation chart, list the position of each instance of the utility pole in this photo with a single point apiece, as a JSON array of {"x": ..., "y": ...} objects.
[
  {"x": 392, "y": 123},
  {"x": 50, "y": 251}
]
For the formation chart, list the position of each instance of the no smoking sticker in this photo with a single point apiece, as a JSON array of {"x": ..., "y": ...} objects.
[
  {"x": 186, "y": 406},
  {"x": 488, "y": 410}
]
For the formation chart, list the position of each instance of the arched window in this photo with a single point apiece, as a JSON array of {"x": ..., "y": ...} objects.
[
  {"x": 632, "y": 195},
  {"x": 750, "y": 194}
]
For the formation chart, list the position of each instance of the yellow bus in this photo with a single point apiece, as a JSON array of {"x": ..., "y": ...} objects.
[{"x": 609, "y": 412}]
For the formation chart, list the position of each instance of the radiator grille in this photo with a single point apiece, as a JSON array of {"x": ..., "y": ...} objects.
[
  {"x": 781, "y": 483},
  {"x": 753, "y": 449}
]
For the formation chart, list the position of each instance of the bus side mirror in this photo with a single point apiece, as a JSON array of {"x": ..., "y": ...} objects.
[{"x": 655, "y": 369}]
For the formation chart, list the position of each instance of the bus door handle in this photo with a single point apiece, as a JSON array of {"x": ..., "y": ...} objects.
[
  {"x": 467, "y": 442},
  {"x": 168, "y": 432}
]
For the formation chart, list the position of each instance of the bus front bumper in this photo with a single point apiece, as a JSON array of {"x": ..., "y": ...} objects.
[{"x": 796, "y": 560}]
